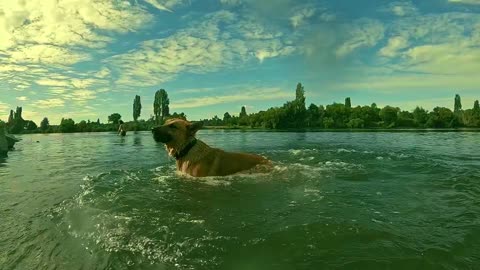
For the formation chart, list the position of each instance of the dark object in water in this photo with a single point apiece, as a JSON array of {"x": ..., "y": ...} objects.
[
  {"x": 123, "y": 133},
  {"x": 11, "y": 140}
]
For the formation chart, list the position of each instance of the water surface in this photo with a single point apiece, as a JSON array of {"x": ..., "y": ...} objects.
[{"x": 369, "y": 200}]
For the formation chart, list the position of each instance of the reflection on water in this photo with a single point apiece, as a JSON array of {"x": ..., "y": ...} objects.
[{"x": 333, "y": 200}]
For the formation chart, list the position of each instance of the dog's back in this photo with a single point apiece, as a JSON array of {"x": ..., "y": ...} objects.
[{"x": 226, "y": 163}]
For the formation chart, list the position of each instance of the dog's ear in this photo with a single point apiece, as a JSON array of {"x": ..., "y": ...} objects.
[{"x": 194, "y": 127}]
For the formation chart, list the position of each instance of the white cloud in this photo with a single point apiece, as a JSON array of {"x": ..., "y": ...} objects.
[
  {"x": 40, "y": 35},
  {"x": 66, "y": 22},
  {"x": 165, "y": 5},
  {"x": 50, "y": 82},
  {"x": 49, "y": 103},
  {"x": 402, "y": 8},
  {"x": 253, "y": 30},
  {"x": 103, "y": 73},
  {"x": 4, "y": 107},
  {"x": 273, "y": 51},
  {"x": 158, "y": 5},
  {"x": 83, "y": 83},
  {"x": 364, "y": 33},
  {"x": 203, "y": 47},
  {"x": 328, "y": 17},
  {"x": 12, "y": 68},
  {"x": 435, "y": 52},
  {"x": 56, "y": 91},
  {"x": 394, "y": 45},
  {"x": 301, "y": 16},
  {"x": 470, "y": 2},
  {"x": 231, "y": 2},
  {"x": 22, "y": 98},
  {"x": 442, "y": 45},
  {"x": 398, "y": 82},
  {"x": 257, "y": 94},
  {"x": 83, "y": 95}
]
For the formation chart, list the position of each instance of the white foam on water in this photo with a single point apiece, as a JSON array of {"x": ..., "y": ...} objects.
[
  {"x": 341, "y": 165},
  {"x": 295, "y": 152},
  {"x": 343, "y": 150}
]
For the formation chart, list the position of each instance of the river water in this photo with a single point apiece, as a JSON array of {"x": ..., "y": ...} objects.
[{"x": 361, "y": 200}]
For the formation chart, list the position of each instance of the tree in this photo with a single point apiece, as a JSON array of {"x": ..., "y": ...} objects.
[
  {"x": 356, "y": 123},
  {"x": 137, "y": 108},
  {"x": 339, "y": 114},
  {"x": 226, "y": 117},
  {"x": 476, "y": 108},
  {"x": 389, "y": 116},
  {"x": 45, "y": 124},
  {"x": 98, "y": 121},
  {"x": 160, "y": 105},
  {"x": 313, "y": 115},
  {"x": 471, "y": 117},
  {"x": 114, "y": 118},
  {"x": 293, "y": 113},
  {"x": 405, "y": 119},
  {"x": 420, "y": 116},
  {"x": 82, "y": 126},
  {"x": 67, "y": 125},
  {"x": 30, "y": 125},
  {"x": 10, "y": 118},
  {"x": 243, "y": 112},
  {"x": 348, "y": 103},
  {"x": 300, "y": 94},
  {"x": 243, "y": 117},
  {"x": 458, "y": 104},
  {"x": 328, "y": 122},
  {"x": 300, "y": 107},
  {"x": 440, "y": 118},
  {"x": 18, "y": 123}
]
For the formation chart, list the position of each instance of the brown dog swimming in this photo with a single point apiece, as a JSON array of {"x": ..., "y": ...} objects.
[{"x": 196, "y": 158}]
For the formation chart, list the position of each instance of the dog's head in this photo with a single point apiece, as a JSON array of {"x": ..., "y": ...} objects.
[{"x": 176, "y": 132}]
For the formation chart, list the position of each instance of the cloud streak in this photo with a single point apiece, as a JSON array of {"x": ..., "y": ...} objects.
[
  {"x": 49, "y": 103},
  {"x": 208, "y": 45},
  {"x": 253, "y": 95}
]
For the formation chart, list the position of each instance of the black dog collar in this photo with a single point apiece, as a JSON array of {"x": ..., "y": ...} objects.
[{"x": 185, "y": 150}]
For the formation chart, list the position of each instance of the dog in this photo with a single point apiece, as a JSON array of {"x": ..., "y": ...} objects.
[{"x": 196, "y": 158}]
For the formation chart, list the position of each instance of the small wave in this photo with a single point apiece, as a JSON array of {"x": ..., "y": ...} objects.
[
  {"x": 335, "y": 165},
  {"x": 399, "y": 155},
  {"x": 299, "y": 152},
  {"x": 343, "y": 150}
]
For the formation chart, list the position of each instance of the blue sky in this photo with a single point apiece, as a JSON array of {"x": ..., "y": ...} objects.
[{"x": 86, "y": 59}]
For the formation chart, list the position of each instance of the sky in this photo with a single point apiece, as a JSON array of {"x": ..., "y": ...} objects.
[{"x": 87, "y": 59}]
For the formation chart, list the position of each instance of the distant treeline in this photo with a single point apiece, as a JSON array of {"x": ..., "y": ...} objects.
[
  {"x": 292, "y": 115},
  {"x": 17, "y": 125},
  {"x": 295, "y": 115}
]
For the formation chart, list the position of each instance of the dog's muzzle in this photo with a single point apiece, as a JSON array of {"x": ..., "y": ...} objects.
[{"x": 161, "y": 136}]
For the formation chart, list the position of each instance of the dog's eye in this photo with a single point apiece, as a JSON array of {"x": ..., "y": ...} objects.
[{"x": 172, "y": 126}]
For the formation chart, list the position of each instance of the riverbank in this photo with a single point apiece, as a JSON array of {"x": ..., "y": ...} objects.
[
  {"x": 250, "y": 129},
  {"x": 345, "y": 129}
]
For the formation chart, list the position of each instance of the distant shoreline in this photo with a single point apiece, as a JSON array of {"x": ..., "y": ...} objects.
[
  {"x": 346, "y": 129},
  {"x": 312, "y": 130}
]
